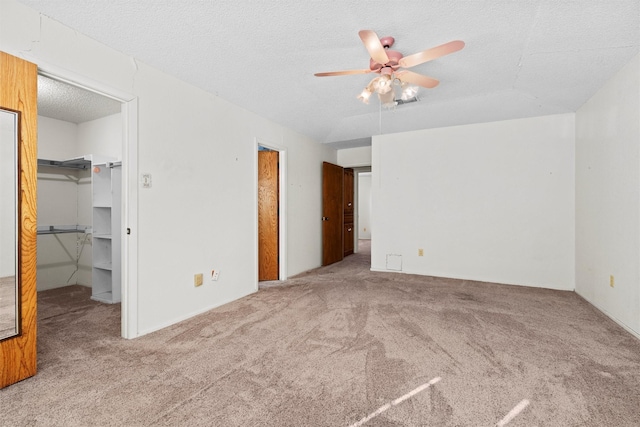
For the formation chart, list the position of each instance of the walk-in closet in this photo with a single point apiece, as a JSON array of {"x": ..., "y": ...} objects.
[{"x": 79, "y": 190}]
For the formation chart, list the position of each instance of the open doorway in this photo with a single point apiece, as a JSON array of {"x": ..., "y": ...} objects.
[
  {"x": 364, "y": 210},
  {"x": 362, "y": 216},
  {"x": 340, "y": 212},
  {"x": 83, "y": 141}
]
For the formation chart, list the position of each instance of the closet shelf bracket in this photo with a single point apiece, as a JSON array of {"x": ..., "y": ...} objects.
[
  {"x": 77, "y": 163},
  {"x": 61, "y": 229}
]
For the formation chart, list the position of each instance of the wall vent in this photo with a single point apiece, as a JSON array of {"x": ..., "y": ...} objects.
[{"x": 394, "y": 262}]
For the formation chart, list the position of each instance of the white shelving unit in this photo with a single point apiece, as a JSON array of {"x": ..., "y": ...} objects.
[
  {"x": 106, "y": 184},
  {"x": 106, "y": 179}
]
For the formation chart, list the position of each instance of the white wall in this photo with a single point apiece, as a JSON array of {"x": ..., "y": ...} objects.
[
  {"x": 364, "y": 205},
  {"x": 354, "y": 157},
  {"x": 200, "y": 213},
  {"x": 491, "y": 202},
  {"x": 57, "y": 139},
  {"x": 304, "y": 201},
  {"x": 57, "y": 205},
  {"x": 101, "y": 136},
  {"x": 608, "y": 197}
]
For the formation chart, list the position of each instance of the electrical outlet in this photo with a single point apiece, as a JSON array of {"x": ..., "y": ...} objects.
[
  {"x": 197, "y": 279},
  {"x": 214, "y": 275},
  {"x": 420, "y": 252},
  {"x": 612, "y": 281}
]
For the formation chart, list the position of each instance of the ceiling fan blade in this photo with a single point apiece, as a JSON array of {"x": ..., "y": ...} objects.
[
  {"x": 431, "y": 54},
  {"x": 342, "y": 73},
  {"x": 374, "y": 47},
  {"x": 417, "y": 79}
]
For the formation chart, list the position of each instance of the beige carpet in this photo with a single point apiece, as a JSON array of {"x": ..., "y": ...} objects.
[{"x": 338, "y": 346}]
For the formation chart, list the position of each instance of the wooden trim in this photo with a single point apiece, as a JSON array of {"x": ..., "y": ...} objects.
[{"x": 18, "y": 91}]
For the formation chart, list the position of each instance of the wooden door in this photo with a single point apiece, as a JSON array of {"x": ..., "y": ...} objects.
[
  {"x": 348, "y": 212},
  {"x": 268, "y": 218},
  {"x": 18, "y": 91},
  {"x": 332, "y": 213}
]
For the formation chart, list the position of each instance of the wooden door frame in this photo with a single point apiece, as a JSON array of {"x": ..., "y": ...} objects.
[
  {"x": 129, "y": 212},
  {"x": 282, "y": 206}
]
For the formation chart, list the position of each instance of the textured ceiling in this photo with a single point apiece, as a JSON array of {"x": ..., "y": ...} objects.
[
  {"x": 522, "y": 58},
  {"x": 62, "y": 101}
]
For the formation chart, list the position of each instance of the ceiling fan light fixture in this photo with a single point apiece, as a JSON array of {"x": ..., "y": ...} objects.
[
  {"x": 408, "y": 91},
  {"x": 383, "y": 85},
  {"x": 365, "y": 95},
  {"x": 388, "y": 99}
]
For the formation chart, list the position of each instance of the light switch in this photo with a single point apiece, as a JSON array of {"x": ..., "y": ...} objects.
[{"x": 146, "y": 180}]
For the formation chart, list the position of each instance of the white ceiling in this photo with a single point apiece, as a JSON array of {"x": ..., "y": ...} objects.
[
  {"x": 522, "y": 58},
  {"x": 59, "y": 100}
]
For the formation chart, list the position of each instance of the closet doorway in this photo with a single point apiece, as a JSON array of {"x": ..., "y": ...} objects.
[
  {"x": 84, "y": 139},
  {"x": 270, "y": 213}
]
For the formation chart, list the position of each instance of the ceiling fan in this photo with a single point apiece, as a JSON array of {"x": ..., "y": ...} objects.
[{"x": 390, "y": 65}]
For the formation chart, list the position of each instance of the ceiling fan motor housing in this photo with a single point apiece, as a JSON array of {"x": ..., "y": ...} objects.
[
  {"x": 394, "y": 57},
  {"x": 387, "y": 42}
]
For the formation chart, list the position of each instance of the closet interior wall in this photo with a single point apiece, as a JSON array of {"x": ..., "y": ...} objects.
[{"x": 65, "y": 198}]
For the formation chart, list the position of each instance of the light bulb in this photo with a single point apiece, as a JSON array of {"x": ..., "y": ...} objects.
[
  {"x": 384, "y": 84},
  {"x": 387, "y": 99},
  {"x": 408, "y": 92},
  {"x": 365, "y": 95}
]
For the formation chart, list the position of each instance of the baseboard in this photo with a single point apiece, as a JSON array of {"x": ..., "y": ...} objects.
[
  {"x": 189, "y": 316},
  {"x": 611, "y": 316},
  {"x": 472, "y": 279}
]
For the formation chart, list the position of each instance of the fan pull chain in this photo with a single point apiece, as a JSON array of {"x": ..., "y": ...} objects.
[{"x": 380, "y": 118}]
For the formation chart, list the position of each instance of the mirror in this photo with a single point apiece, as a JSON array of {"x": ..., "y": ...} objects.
[{"x": 9, "y": 316}]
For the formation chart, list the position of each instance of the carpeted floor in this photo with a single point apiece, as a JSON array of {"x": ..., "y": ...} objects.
[{"x": 338, "y": 346}]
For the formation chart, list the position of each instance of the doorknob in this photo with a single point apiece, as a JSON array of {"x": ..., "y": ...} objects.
[{"x": 325, "y": 218}]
